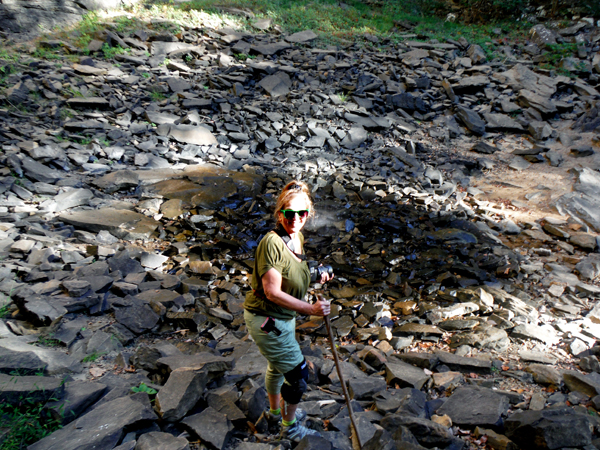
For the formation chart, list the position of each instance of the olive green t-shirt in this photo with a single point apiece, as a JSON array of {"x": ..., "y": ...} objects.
[{"x": 273, "y": 253}]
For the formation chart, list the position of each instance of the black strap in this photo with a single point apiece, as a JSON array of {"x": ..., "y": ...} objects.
[{"x": 288, "y": 241}]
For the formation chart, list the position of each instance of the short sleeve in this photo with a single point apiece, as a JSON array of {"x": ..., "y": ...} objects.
[{"x": 269, "y": 254}]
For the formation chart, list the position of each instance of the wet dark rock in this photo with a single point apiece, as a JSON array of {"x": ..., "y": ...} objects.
[{"x": 551, "y": 428}]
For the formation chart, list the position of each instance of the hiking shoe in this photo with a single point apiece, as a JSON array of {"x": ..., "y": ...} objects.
[
  {"x": 296, "y": 432},
  {"x": 275, "y": 419}
]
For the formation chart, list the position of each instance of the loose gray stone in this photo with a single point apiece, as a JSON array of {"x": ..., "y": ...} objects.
[
  {"x": 469, "y": 406},
  {"x": 549, "y": 428},
  {"x": 136, "y": 315},
  {"x": 164, "y": 441},
  {"x": 519, "y": 163},
  {"x": 405, "y": 375},
  {"x": 211, "y": 426},
  {"x": 104, "y": 427},
  {"x": 124, "y": 224},
  {"x": 501, "y": 122},
  {"x": 302, "y": 36},
  {"x": 276, "y": 85},
  {"x": 428, "y": 433},
  {"x": 187, "y": 134},
  {"x": 78, "y": 397},
  {"x": 36, "y": 389},
  {"x": 471, "y": 119}
]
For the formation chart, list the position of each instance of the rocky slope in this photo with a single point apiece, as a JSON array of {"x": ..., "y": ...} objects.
[{"x": 135, "y": 190}]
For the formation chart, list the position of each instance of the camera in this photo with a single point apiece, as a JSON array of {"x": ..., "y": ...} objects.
[{"x": 316, "y": 270}]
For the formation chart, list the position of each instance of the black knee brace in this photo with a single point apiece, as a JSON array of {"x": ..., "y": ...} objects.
[{"x": 295, "y": 383}]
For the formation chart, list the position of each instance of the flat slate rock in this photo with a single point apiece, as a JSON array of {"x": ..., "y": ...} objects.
[
  {"x": 211, "y": 427},
  {"x": 537, "y": 357},
  {"x": 404, "y": 375},
  {"x": 469, "y": 406},
  {"x": 463, "y": 363},
  {"x": 136, "y": 315},
  {"x": 180, "y": 393},
  {"x": 471, "y": 119},
  {"x": 77, "y": 398},
  {"x": 276, "y": 85},
  {"x": 187, "y": 134},
  {"x": 482, "y": 147},
  {"x": 549, "y": 428},
  {"x": 302, "y": 36},
  {"x": 163, "y": 441},
  {"x": 103, "y": 427},
  {"x": 88, "y": 103},
  {"x": 270, "y": 49},
  {"x": 16, "y": 355},
  {"x": 124, "y": 224},
  {"x": 14, "y": 388}
]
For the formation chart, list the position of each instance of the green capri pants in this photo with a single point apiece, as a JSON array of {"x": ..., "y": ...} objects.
[{"x": 282, "y": 352}]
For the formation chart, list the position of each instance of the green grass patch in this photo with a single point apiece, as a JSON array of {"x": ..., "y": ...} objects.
[
  {"x": 4, "y": 311},
  {"x": 27, "y": 421},
  {"x": 334, "y": 22},
  {"x": 47, "y": 341},
  {"x": 92, "y": 357},
  {"x": 157, "y": 96},
  {"x": 350, "y": 20},
  {"x": 343, "y": 97},
  {"x": 556, "y": 52},
  {"x": 110, "y": 52},
  {"x": 44, "y": 53}
]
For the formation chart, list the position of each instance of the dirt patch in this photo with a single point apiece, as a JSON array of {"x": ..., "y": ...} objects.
[{"x": 529, "y": 194}]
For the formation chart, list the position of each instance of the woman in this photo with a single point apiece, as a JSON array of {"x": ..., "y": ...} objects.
[{"x": 279, "y": 283}]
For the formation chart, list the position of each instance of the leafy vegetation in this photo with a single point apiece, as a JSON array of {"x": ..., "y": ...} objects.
[
  {"x": 4, "y": 311},
  {"x": 27, "y": 421},
  {"x": 92, "y": 357},
  {"x": 110, "y": 52},
  {"x": 143, "y": 387},
  {"x": 157, "y": 96},
  {"x": 343, "y": 97},
  {"x": 47, "y": 341}
]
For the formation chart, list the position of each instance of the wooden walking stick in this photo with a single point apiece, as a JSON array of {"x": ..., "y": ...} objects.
[{"x": 356, "y": 444}]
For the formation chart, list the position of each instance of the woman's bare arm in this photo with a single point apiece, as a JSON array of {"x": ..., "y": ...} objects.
[{"x": 271, "y": 282}]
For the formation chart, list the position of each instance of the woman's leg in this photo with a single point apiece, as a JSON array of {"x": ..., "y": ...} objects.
[
  {"x": 283, "y": 354},
  {"x": 273, "y": 382},
  {"x": 288, "y": 412}
]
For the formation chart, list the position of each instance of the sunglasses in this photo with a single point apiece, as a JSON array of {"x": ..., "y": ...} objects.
[{"x": 289, "y": 214}]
